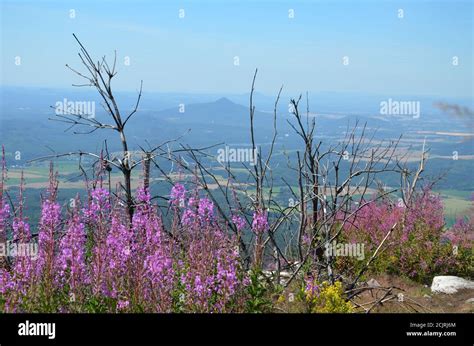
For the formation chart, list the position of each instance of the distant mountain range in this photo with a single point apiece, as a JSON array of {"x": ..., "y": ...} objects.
[{"x": 212, "y": 119}]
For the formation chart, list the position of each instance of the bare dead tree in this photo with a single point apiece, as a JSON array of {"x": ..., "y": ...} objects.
[{"x": 99, "y": 75}]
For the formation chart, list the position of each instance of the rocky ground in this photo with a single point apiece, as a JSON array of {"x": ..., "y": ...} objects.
[
  {"x": 407, "y": 297},
  {"x": 417, "y": 297}
]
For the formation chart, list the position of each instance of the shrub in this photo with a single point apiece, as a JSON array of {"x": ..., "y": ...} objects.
[
  {"x": 417, "y": 248},
  {"x": 324, "y": 297},
  {"x": 258, "y": 293}
]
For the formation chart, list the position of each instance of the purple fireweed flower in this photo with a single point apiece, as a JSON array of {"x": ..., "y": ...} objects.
[
  {"x": 260, "y": 221},
  {"x": 111, "y": 259},
  {"x": 198, "y": 215},
  {"x": 5, "y": 281},
  {"x": 49, "y": 225},
  {"x": 22, "y": 275},
  {"x": 205, "y": 209},
  {"x": 193, "y": 201},
  {"x": 143, "y": 195},
  {"x": 141, "y": 261},
  {"x": 118, "y": 245},
  {"x": 178, "y": 194},
  {"x": 239, "y": 222},
  {"x": 188, "y": 217},
  {"x": 70, "y": 263},
  {"x": 146, "y": 226},
  {"x": 99, "y": 204},
  {"x": 226, "y": 277},
  {"x": 21, "y": 230},
  {"x": 160, "y": 268},
  {"x": 123, "y": 304},
  {"x": 4, "y": 215},
  {"x": 198, "y": 286}
]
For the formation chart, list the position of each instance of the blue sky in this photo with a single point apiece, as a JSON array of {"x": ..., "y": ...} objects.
[{"x": 387, "y": 54}]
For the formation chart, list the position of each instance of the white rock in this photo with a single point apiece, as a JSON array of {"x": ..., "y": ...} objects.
[
  {"x": 267, "y": 272},
  {"x": 470, "y": 300},
  {"x": 373, "y": 283},
  {"x": 450, "y": 284}
]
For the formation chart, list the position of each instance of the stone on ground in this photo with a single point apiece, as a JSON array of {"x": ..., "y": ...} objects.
[{"x": 450, "y": 284}]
